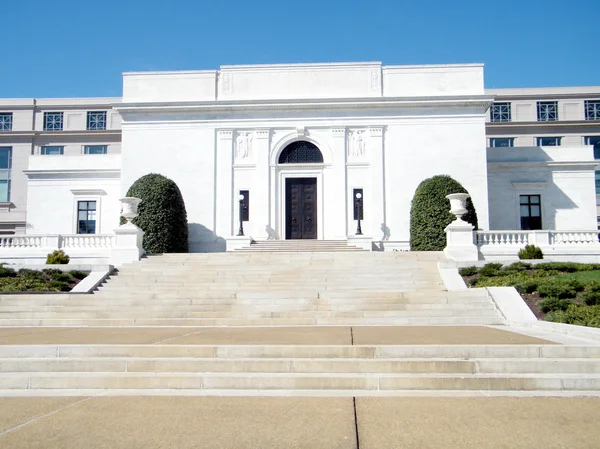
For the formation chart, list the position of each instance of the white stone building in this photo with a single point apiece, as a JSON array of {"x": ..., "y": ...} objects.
[{"x": 299, "y": 141}]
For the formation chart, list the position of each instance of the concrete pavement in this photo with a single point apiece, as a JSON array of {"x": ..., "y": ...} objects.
[{"x": 221, "y": 422}]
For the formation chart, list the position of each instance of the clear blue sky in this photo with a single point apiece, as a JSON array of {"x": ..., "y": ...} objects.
[{"x": 72, "y": 48}]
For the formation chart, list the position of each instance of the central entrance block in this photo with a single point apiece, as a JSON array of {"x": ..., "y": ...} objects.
[{"x": 300, "y": 208}]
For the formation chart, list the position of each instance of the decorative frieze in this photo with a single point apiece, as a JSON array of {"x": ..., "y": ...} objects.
[{"x": 338, "y": 133}]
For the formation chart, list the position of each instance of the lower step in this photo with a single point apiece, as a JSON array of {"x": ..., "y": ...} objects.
[{"x": 244, "y": 381}]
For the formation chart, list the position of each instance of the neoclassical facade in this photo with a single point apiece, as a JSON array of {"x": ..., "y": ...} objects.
[{"x": 298, "y": 143}]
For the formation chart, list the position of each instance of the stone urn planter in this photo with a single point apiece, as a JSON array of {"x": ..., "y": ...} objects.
[
  {"x": 129, "y": 207},
  {"x": 458, "y": 205}
]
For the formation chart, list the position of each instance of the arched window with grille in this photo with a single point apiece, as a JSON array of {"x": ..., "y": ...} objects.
[{"x": 301, "y": 152}]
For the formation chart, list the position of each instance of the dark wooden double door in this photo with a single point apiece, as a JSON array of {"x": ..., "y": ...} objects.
[{"x": 300, "y": 208}]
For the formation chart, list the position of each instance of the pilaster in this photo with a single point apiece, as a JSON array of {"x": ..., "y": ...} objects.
[
  {"x": 337, "y": 213},
  {"x": 224, "y": 186},
  {"x": 375, "y": 211},
  {"x": 260, "y": 207}
]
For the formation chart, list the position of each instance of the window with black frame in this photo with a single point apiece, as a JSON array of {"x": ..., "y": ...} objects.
[
  {"x": 86, "y": 217},
  {"x": 531, "y": 212}
]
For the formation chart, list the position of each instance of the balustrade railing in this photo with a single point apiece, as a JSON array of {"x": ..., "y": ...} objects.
[
  {"x": 574, "y": 237},
  {"x": 52, "y": 242},
  {"x": 88, "y": 241},
  {"x": 502, "y": 238}
]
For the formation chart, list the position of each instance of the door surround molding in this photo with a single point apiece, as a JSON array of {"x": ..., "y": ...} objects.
[{"x": 299, "y": 172}]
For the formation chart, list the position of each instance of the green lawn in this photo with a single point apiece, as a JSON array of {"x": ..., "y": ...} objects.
[{"x": 581, "y": 276}]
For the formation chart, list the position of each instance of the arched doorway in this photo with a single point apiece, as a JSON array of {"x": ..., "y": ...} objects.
[{"x": 301, "y": 205}]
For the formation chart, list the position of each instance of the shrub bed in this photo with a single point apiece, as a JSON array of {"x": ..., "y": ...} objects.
[
  {"x": 47, "y": 280},
  {"x": 563, "y": 292}
]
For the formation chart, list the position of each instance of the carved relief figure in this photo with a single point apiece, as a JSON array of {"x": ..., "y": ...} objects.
[
  {"x": 243, "y": 145},
  {"x": 357, "y": 144}
]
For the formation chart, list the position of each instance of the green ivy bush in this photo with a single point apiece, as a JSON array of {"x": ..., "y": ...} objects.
[
  {"x": 57, "y": 257},
  {"x": 579, "y": 315},
  {"x": 467, "y": 271},
  {"x": 430, "y": 213},
  {"x": 162, "y": 214},
  {"x": 530, "y": 252},
  {"x": 551, "y": 304}
]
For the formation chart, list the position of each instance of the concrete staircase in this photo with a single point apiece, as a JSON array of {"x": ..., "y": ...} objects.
[
  {"x": 273, "y": 369},
  {"x": 258, "y": 289},
  {"x": 173, "y": 300}
]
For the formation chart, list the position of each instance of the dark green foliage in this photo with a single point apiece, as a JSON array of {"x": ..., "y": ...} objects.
[
  {"x": 62, "y": 277},
  {"x": 430, "y": 213},
  {"x": 516, "y": 267},
  {"x": 31, "y": 274},
  {"x": 57, "y": 257},
  {"x": 77, "y": 274},
  {"x": 577, "y": 314},
  {"x": 561, "y": 289},
  {"x": 7, "y": 272},
  {"x": 59, "y": 286},
  {"x": 566, "y": 267},
  {"x": 530, "y": 252},
  {"x": 552, "y": 304},
  {"x": 591, "y": 298},
  {"x": 162, "y": 214},
  {"x": 527, "y": 287},
  {"x": 490, "y": 269},
  {"x": 46, "y": 280},
  {"x": 467, "y": 271}
]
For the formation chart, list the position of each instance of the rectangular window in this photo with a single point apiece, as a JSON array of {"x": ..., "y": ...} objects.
[
  {"x": 52, "y": 150},
  {"x": 531, "y": 212},
  {"x": 502, "y": 142},
  {"x": 96, "y": 120},
  {"x": 359, "y": 204},
  {"x": 547, "y": 111},
  {"x": 595, "y": 141},
  {"x": 500, "y": 112},
  {"x": 5, "y": 168},
  {"x": 6, "y": 119},
  {"x": 592, "y": 110},
  {"x": 597, "y": 177},
  {"x": 95, "y": 149},
  {"x": 548, "y": 141},
  {"x": 86, "y": 217},
  {"x": 53, "y": 121}
]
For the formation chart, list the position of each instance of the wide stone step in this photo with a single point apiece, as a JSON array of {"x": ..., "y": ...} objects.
[
  {"x": 195, "y": 322},
  {"x": 246, "y": 308},
  {"x": 313, "y": 365},
  {"x": 299, "y": 381},
  {"x": 493, "y": 353},
  {"x": 250, "y": 315}
]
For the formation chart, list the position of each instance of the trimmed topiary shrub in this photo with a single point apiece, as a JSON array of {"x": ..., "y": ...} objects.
[
  {"x": 7, "y": 272},
  {"x": 516, "y": 267},
  {"x": 162, "y": 214},
  {"x": 530, "y": 252},
  {"x": 57, "y": 257},
  {"x": 430, "y": 213},
  {"x": 527, "y": 286}
]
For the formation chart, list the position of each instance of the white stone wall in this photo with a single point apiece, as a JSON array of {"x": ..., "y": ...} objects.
[{"x": 564, "y": 177}]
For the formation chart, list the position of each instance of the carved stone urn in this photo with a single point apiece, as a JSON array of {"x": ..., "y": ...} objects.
[
  {"x": 129, "y": 207},
  {"x": 458, "y": 206}
]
